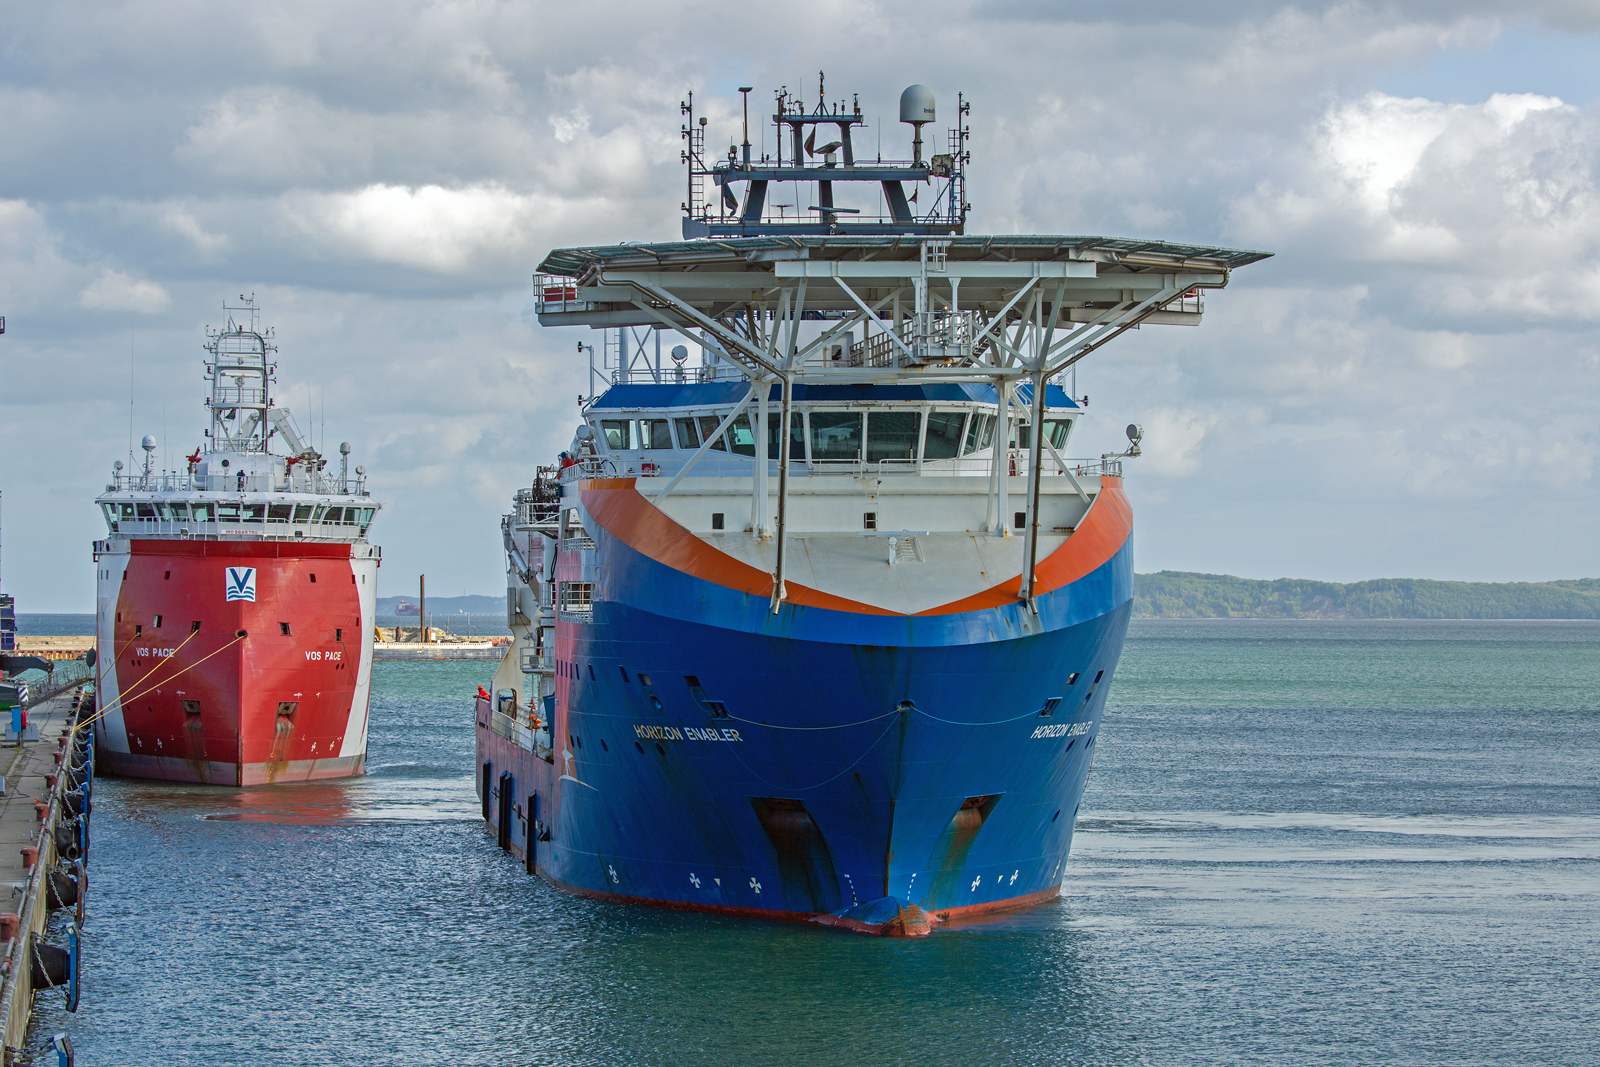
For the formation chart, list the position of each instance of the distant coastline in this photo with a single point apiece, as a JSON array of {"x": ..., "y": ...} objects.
[{"x": 1188, "y": 595}]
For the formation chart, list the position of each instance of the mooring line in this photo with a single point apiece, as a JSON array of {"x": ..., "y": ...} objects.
[{"x": 122, "y": 700}]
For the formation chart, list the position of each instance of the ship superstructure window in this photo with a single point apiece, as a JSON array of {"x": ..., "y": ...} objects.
[
  {"x": 302, "y": 513},
  {"x": 980, "y": 434},
  {"x": 178, "y": 512},
  {"x": 201, "y": 512},
  {"x": 146, "y": 511},
  {"x": 708, "y": 427},
  {"x": 836, "y": 435},
  {"x": 1056, "y": 431},
  {"x": 893, "y": 435},
  {"x": 717, "y": 520},
  {"x": 797, "y": 436},
  {"x": 944, "y": 434},
  {"x": 741, "y": 438},
  {"x": 280, "y": 512},
  {"x": 653, "y": 433},
  {"x": 255, "y": 513},
  {"x": 869, "y": 520},
  {"x": 618, "y": 434},
  {"x": 688, "y": 433}
]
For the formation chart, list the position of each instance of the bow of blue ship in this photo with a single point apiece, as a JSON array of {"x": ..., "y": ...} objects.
[{"x": 832, "y": 761}]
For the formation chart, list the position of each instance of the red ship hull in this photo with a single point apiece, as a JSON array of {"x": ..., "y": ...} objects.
[{"x": 234, "y": 663}]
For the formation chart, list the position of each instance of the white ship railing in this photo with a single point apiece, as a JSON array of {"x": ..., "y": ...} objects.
[
  {"x": 734, "y": 466},
  {"x": 314, "y": 483}
]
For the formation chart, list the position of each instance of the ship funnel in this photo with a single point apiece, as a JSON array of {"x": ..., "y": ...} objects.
[{"x": 916, "y": 107}]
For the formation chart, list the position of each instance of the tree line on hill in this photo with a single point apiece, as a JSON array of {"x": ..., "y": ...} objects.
[{"x": 1186, "y": 595}]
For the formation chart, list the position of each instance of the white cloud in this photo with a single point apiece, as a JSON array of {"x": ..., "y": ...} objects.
[
  {"x": 116, "y": 291},
  {"x": 1486, "y": 211},
  {"x": 1172, "y": 440},
  {"x": 183, "y": 223},
  {"x": 432, "y": 228},
  {"x": 569, "y": 126}
]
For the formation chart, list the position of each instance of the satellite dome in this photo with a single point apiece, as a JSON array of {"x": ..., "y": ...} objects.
[
  {"x": 916, "y": 104},
  {"x": 148, "y": 444}
]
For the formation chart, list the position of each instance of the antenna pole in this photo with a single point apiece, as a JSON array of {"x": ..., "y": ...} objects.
[{"x": 744, "y": 91}]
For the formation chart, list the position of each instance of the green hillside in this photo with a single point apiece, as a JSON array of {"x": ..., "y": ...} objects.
[{"x": 1181, "y": 594}]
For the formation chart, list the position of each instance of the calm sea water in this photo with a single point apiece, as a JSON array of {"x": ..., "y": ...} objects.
[{"x": 1303, "y": 843}]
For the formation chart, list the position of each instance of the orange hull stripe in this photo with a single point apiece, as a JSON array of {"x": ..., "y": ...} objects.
[{"x": 618, "y": 506}]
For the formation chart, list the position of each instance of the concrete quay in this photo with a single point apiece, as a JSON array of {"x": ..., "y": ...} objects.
[{"x": 44, "y": 817}]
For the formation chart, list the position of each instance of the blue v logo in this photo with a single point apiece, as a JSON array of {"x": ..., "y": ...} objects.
[{"x": 241, "y": 583}]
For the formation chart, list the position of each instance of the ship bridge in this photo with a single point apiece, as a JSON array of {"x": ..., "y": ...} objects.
[{"x": 891, "y": 342}]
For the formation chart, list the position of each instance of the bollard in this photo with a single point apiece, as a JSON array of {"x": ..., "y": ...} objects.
[
  {"x": 30, "y": 856},
  {"x": 39, "y": 808},
  {"x": 49, "y": 781},
  {"x": 9, "y": 924}
]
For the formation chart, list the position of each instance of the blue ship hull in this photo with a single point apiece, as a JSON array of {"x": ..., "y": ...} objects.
[{"x": 876, "y": 771}]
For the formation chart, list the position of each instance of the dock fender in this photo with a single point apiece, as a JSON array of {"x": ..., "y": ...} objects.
[
  {"x": 68, "y": 839},
  {"x": 52, "y": 964},
  {"x": 61, "y": 890}
]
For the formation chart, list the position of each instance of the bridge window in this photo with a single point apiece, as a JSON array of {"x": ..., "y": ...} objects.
[
  {"x": 980, "y": 434},
  {"x": 741, "y": 438},
  {"x": 797, "y": 436},
  {"x": 302, "y": 513},
  {"x": 146, "y": 511},
  {"x": 944, "y": 435},
  {"x": 618, "y": 434},
  {"x": 227, "y": 512},
  {"x": 179, "y": 512},
  {"x": 653, "y": 433},
  {"x": 836, "y": 435},
  {"x": 708, "y": 426},
  {"x": 1056, "y": 431},
  {"x": 200, "y": 512},
  {"x": 893, "y": 435},
  {"x": 255, "y": 513},
  {"x": 688, "y": 433},
  {"x": 280, "y": 512}
]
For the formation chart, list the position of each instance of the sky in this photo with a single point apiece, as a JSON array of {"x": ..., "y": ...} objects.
[{"x": 1408, "y": 388}]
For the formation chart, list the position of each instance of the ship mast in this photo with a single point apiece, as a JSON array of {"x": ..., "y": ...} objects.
[{"x": 241, "y": 379}]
